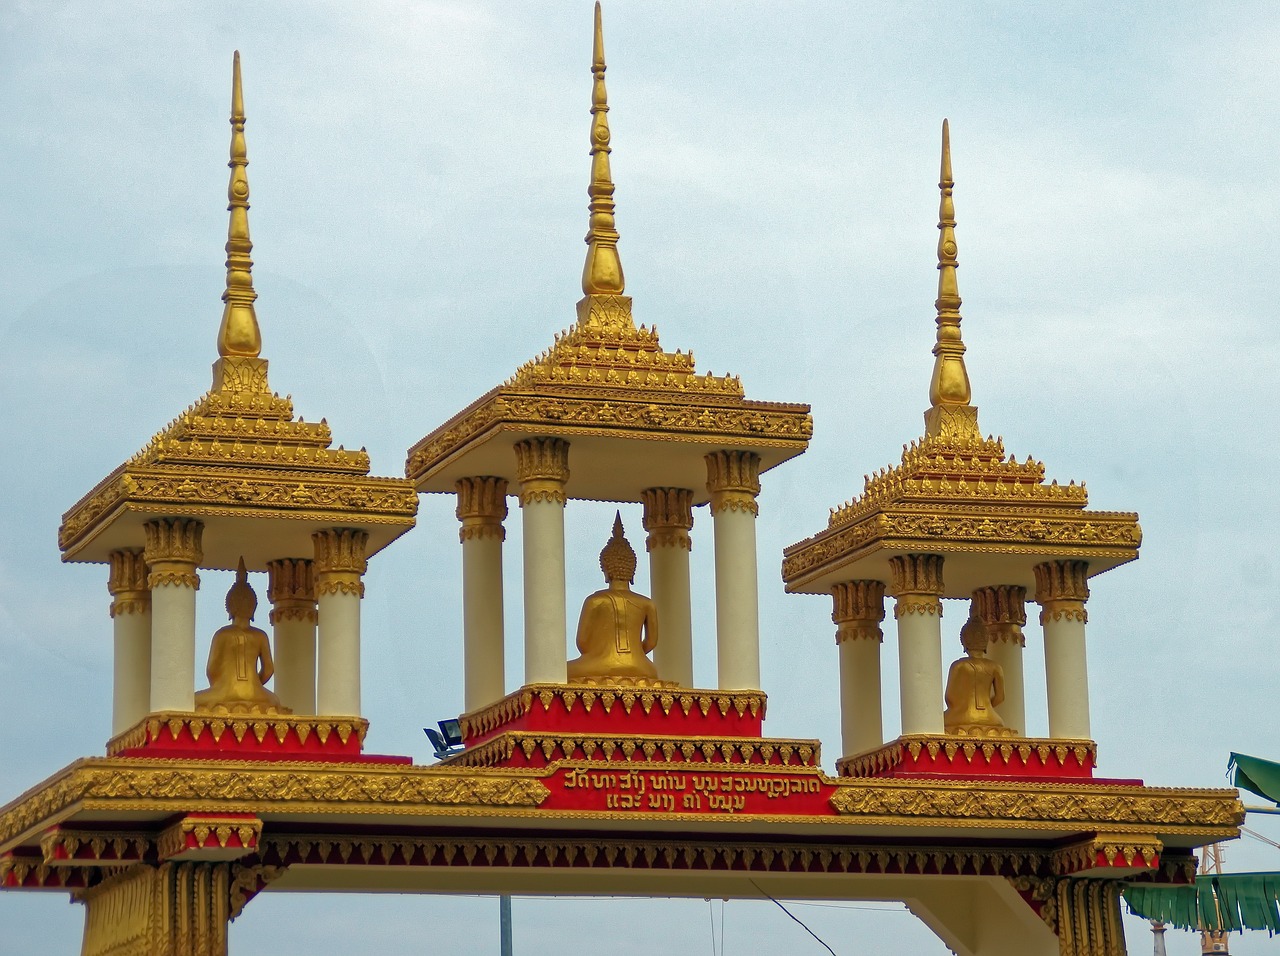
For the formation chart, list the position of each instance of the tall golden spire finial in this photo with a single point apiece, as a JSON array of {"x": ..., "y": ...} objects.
[
  {"x": 950, "y": 414},
  {"x": 602, "y": 273},
  {"x": 238, "y": 335}
]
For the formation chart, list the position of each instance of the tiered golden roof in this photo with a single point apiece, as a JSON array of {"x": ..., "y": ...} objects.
[
  {"x": 238, "y": 454},
  {"x": 607, "y": 380},
  {"x": 957, "y": 492}
]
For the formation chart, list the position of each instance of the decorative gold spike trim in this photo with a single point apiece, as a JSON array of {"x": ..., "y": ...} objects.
[
  {"x": 1132, "y": 850},
  {"x": 731, "y": 751},
  {"x": 60, "y": 847},
  {"x": 209, "y": 832},
  {"x": 339, "y": 582},
  {"x": 238, "y": 725},
  {"x": 480, "y": 722},
  {"x": 178, "y": 579},
  {"x": 874, "y": 763}
]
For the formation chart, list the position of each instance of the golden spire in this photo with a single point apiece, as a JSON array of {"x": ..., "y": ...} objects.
[
  {"x": 602, "y": 273},
  {"x": 950, "y": 413},
  {"x": 239, "y": 335}
]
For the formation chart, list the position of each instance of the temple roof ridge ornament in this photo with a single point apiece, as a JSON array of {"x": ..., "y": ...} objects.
[
  {"x": 607, "y": 377},
  {"x": 954, "y": 490},
  {"x": 238, "y": 451}
]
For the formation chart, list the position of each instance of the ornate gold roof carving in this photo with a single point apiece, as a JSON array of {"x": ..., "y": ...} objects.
[
  {"x": 238, "y": 450},
  {"x": 953, "y": 489}
]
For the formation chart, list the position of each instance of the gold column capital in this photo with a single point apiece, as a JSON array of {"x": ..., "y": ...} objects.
[
  {"x": 917, "y": 584},
  {"x": 340, "y": 561},
  {"x": 733, "y": 479},
  {"x": 668, "y": 517},
  {"x": 1002, "y": 608},
  {"x": 291, "y": 588},
  {"x": 1062, "y": 588},
  {"x": 542, "y": 468},
  {"x": 858, "y": 609},
  {"x": 173, "y": 552},
  {"x": 482, "y": 507},
  {"x": 127, "y": 582}
]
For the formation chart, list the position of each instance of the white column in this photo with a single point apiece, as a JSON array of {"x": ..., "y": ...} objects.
[
  {"x": 1002, "y": 609},
  {"x": 542, "y": 468},
  {"x": 482, "y": 506},
  {"x": 131, "y": 623},
  {"x": 858, "y": 611},
  {"x": 734, "y": 482},
  {"x": 292, "y": 591},
  {"x": 339, "y": 566},
  {"x": 668, "y": 517},
  {"x": 173, "y": 553},
  {"x": 1061, "y": 591},
  {"x": 917, "y": 588}
]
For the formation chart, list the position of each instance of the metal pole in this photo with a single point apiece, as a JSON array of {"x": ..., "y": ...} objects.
[{"x": 504, "y": 923}]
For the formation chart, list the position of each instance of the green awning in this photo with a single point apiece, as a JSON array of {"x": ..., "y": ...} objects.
[
  {"x": 1222, "y": 901},
  {"x": 1256, "y": 775}
]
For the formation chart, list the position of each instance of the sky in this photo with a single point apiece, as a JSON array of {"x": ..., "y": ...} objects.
[{"x": 418, "y": 176}]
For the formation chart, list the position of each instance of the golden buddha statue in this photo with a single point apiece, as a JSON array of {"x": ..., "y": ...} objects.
[
  {"x": 240, "y": 660},
  {"x": 617, "y": 627},
  {"x": 975, "y": 688}
]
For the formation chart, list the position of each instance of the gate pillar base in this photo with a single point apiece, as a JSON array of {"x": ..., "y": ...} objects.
[{"x": 174, "y": 909}]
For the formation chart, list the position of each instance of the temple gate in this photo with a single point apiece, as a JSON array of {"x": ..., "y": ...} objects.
[{"x": 607, "y": 773}]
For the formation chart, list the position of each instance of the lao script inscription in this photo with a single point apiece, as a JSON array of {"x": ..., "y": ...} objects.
[{"x": 666, "y": 792}]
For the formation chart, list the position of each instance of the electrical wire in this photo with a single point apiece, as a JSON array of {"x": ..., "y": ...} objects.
[
  {"x": 796, "y": 918},
  {"x": 1259, "y": 837}
]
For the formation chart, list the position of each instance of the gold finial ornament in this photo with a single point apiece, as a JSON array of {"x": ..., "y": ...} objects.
[
  {"x": 950, "y": 415},
  {"x": 617, "y": 626},
  {"x": 602, "y": 273},
  {"x": 239, "y": 334}
]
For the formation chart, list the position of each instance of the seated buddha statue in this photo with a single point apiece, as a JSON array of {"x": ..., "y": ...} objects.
[
  {"x": 975, "y": 688},
  {"x": 617, "y": 626},
  {"x": 240, "y": 660}
]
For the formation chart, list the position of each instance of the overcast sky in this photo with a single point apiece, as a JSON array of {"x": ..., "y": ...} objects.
[{"x": 418, "y": 178}]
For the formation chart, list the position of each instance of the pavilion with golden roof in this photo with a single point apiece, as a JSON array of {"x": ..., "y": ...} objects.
[{"x": 607, "y": 771}]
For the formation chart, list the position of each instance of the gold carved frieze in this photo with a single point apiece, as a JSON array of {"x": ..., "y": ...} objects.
[
  {"x": 266, "y": 493},
  {"x": 1083, "y": 805},
  {"x": 255, "y": 787},
  {"x": 1110, "y": 534},
  {"x": 630, "y": 412}
]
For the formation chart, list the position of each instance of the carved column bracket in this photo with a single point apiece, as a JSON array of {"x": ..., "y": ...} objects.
[
  {"x": 1062, "y": 588},
  {"x": 340, "y": 561},
  {"x": 668, "y": 517},
  {"x": 482, "y": 507},
  {"x": 1003, "y": 610},
  {"x": 733, "y": 479},
  {"x": 858, "y": 611},
  {"x": 128, "y": 583},
  {"x": 291, "y": 589},
  {"x": 917, "y": 584},
  {"x": 173, "y": 551},
  {"x": 542, "y": 469}
]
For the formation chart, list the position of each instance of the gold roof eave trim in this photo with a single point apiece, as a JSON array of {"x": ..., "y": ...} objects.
[
  {"x": 230, "y": 492},
  {"x": 1038, "y": 533},
  {"x": 632, "y": 414}
]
